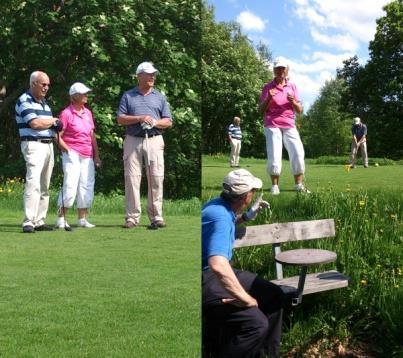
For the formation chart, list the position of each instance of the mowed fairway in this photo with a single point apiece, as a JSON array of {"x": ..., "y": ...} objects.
[{"x": 102, "y": 292}]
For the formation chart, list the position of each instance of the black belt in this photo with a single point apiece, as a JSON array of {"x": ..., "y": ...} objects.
[{"x": 46, "y": 140}]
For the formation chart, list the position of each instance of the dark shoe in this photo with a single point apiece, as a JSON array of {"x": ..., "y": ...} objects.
[
  {"x": 365, "y": 166},
  {"x": 352, "y": 166},
  {"x": 129, "y": 225},
  {"x": 44, "y": 227},
  {"x": 28, "y": 229}
]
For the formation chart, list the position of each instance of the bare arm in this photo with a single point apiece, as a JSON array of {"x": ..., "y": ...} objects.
[
  {"x": 42, "y": 123},
  {"x": 95, "y": 150},
  {"x": 62, "y": 144},
  {"x": 163, "y": 123},
  {"x": 237, "y": 295}
]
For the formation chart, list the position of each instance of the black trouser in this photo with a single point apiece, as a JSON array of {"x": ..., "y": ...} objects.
[{"x": 230, "y": 331}]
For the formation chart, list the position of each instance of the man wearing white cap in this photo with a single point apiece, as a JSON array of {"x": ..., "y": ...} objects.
[
  {"x": 359, "y": 132},
  {"x": 80, "y": 155},
  {"x": 278, "y": 102},
  {"x": 242, "y": 313},
  {"x": 145, "y": 114}
]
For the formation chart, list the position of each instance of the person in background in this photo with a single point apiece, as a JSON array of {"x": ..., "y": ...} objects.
[
  {"x": 80, "y": 155},
  {"x": 359, "y": 132},
  {"x": 36, "y": 127},
  {"x": 242, "y": 313},
  {"x": 278, "y": 102},
  {"x": 235, "y": 138},
  {"x": 145, "y": 113}
]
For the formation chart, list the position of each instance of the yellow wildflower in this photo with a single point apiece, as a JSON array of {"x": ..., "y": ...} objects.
[
  {"x": 347, "y": 168},
  {"x": 12, "y": 181},
  {"x": 363, "y": 282},
  {"x": 393, "y": 216},
  {"x": 362, "y": 203},
  {"x": 9, "y": 190}
]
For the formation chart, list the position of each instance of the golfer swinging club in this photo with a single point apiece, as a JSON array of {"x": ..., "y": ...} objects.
[{"x": 145, "y": 113}]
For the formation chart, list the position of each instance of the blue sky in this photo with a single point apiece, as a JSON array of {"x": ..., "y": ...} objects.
[{"x": 315, "y": 36}]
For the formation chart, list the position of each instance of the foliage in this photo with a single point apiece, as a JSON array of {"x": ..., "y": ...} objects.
[
  {"x": 326, "y": 128},
  {"x": 232, "y": 78},
  {"x": 100, "y": 42},
  {"x": 375, "y": 91}
]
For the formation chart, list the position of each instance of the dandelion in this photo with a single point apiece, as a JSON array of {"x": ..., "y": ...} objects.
[
  {"x": 363, "y": 282},
  {"x": 12, "y": 181},
  {"x": 393, "y": 216},
  {"x": 1, "y": 190},
  {"x": 397, "y": 286},
  {"x": 362, "y": 203},
  {"x": 347, "y": 168},
  {"x": 9, "y": 190}
]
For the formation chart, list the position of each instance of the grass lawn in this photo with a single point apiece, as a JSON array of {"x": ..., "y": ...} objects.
[{"x": 100, "y": 292}]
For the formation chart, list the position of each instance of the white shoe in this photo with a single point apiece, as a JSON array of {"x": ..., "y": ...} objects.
[
  {"x": 275, "y": 190},
  {"x": 300, "y": 188},
  {"x": 61, "y": 223},
  {"x": 84, "y": 223}
]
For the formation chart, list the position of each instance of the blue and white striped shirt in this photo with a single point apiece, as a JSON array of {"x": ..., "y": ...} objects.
[
  {"x": 235, "y": 132},
  {"x": 27, "y": 109},
  {"x": 134, "y": 103}
]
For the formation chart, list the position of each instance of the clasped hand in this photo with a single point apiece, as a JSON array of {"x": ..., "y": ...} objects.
[{"x": 257, "y": 206}]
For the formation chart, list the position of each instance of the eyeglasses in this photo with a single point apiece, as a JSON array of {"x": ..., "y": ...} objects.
[{"x": 43, "y": 84}]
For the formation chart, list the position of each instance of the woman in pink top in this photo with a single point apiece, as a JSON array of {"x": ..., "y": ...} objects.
[
  {"x": 279, "y": 101},
  {"x": 79, "y": 157}
]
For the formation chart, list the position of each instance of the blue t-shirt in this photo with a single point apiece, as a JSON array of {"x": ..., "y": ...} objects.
[{"x": 218, "y": 230}]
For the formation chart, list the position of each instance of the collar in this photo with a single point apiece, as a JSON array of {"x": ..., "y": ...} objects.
[
  {"x": 43, "y": 101},
  {"x": 137, "y": 90}
]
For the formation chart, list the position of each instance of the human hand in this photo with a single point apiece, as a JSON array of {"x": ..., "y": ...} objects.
[
  {"x": 148, "y": 123},
  {"x": 250, "y": 302},
  {"x": 98, "y": 162},
  {"x": 290, "y": 96},
  {"x": 257, "y": 206},
  {"x": 57, "y": 125},
  {"x": 272, "y": 92}
]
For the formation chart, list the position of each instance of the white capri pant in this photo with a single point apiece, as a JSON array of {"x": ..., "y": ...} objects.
[
  {"x": 79, "y": 180},
  {"x": 274, "y": 147}
]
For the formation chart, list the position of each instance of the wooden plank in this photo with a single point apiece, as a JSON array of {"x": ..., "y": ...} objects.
[
  {"x": 315, "y": 282},
  {"x": 284, "y": 232},
  {"x": 306, "y": 257}
]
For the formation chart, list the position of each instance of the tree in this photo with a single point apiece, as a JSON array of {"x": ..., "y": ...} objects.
[
  {"x": 375, "y": 91},
  {"x": 232, "y": 79},
  {"x": 326, "y": 128},
  {"x": 100, "y": 42}
]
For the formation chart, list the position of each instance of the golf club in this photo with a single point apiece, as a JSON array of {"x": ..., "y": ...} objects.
[
  {"x": 152, "y": 226},
  {"x": 66, "y": 228}
]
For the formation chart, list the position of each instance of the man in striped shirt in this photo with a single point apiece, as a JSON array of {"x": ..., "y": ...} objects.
[
  {"x": 36, "y": 126},
  {"x": 145, "y": 113},
  {"x": 234, "y": 138}
]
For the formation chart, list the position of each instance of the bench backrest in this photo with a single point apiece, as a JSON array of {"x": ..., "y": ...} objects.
[{"x": 285, "y": 232}]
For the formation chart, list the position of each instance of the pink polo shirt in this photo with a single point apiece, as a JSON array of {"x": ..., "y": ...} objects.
[
  {"x": 280, "y": 113},
  {"x": 78, "y": 130}
]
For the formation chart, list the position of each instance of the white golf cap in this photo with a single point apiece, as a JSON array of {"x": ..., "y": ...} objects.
[
  {"x": 240, "y": 181},
  {"x": 357, "y": 120},
  {"x": 146, "y": 67},
  {"x": 280, "y": 62},
  {"x": 79, "y": 87}
]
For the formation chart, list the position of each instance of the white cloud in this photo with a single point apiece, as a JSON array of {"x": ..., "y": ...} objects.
[
  {"x": 250, "y": 22},
  {"x": 350, "y": 22}
]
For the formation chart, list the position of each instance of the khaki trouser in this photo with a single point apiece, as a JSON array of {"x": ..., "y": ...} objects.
[
  {"x": 235, "y": 150},
  {"x": 354, "y": 150},
  {"x": 39, "y": 163},
  {"x": 134, "y": 155}
]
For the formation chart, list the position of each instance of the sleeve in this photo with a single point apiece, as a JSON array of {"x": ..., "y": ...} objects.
[
  {"x": 365, "y": 130},
  {"x": 217, "y": 242},
  {"x": 165, "y": 110},
  {"x": 123, "y": 108},
  {"x": 265, "y": 93},
  {"x": 296, "y": 93},
  {"x": 64, "y": 118},
  {"x": 27, "y": 112}
]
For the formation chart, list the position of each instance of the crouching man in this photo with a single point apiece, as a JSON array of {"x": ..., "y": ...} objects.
[{"x": 242, "y": 313}]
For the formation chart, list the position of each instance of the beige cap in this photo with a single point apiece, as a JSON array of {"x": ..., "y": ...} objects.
[
  {"x": 357, "y": 120},
  {"x": 80, "y": 88},
  {"x": 146, "y": 67},
  {"x": 280, "y": 62},
  {"x": 240, "y": 181}
]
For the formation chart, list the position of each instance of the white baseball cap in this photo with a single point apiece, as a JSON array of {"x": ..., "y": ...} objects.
[
  {"x": 280, "y": 62},
  {"x": 146, "y": 67},
  {"x": 79, "y": 87},
  {"x": 357, "y": 120},
  {"x": 240, "y": 181}
]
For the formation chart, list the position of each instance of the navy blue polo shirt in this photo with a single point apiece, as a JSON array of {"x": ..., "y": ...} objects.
[
  {"x": 218, "y": 230},
  {"x": 134, "y": 103}
]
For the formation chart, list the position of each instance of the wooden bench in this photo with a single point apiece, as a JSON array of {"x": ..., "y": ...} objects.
[{"x": 276, "y": 234}]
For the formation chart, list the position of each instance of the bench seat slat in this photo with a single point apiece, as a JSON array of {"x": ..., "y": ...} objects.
[
  {"x": 315, "y": 282},
  {"x": 285, "y": 232}
]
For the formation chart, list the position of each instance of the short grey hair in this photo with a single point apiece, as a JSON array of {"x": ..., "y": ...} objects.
[{"x": 34, "y": 76}]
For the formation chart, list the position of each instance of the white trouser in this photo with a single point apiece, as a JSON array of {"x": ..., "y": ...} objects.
[
  {"x": 79, "y": 180},
  {"x": 39, "y": 163},
  {"x": 274, "y": 147},
  {"x": 354, "y": 150},
  {"x": 134, "y": 155},
  {"x": 235, "y": 150}
]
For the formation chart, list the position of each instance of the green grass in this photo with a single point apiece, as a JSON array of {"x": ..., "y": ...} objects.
[
  {"x": 367, "y": 207},
  {"x": 102, "y": 292}
]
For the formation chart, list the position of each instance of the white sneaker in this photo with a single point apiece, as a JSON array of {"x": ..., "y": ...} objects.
[
  {"x": 84, "y": 223},
  {"x": 300, "y": 188},
  {"x": 275, "y": 190},
  {"x": 61, "y": 223}
]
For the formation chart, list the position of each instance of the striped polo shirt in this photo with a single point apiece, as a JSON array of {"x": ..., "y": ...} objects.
[
  {"x": 235, "y": 132},
  {"x": 134, "y": 103},
  {"x": 27, "y": 109}
]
